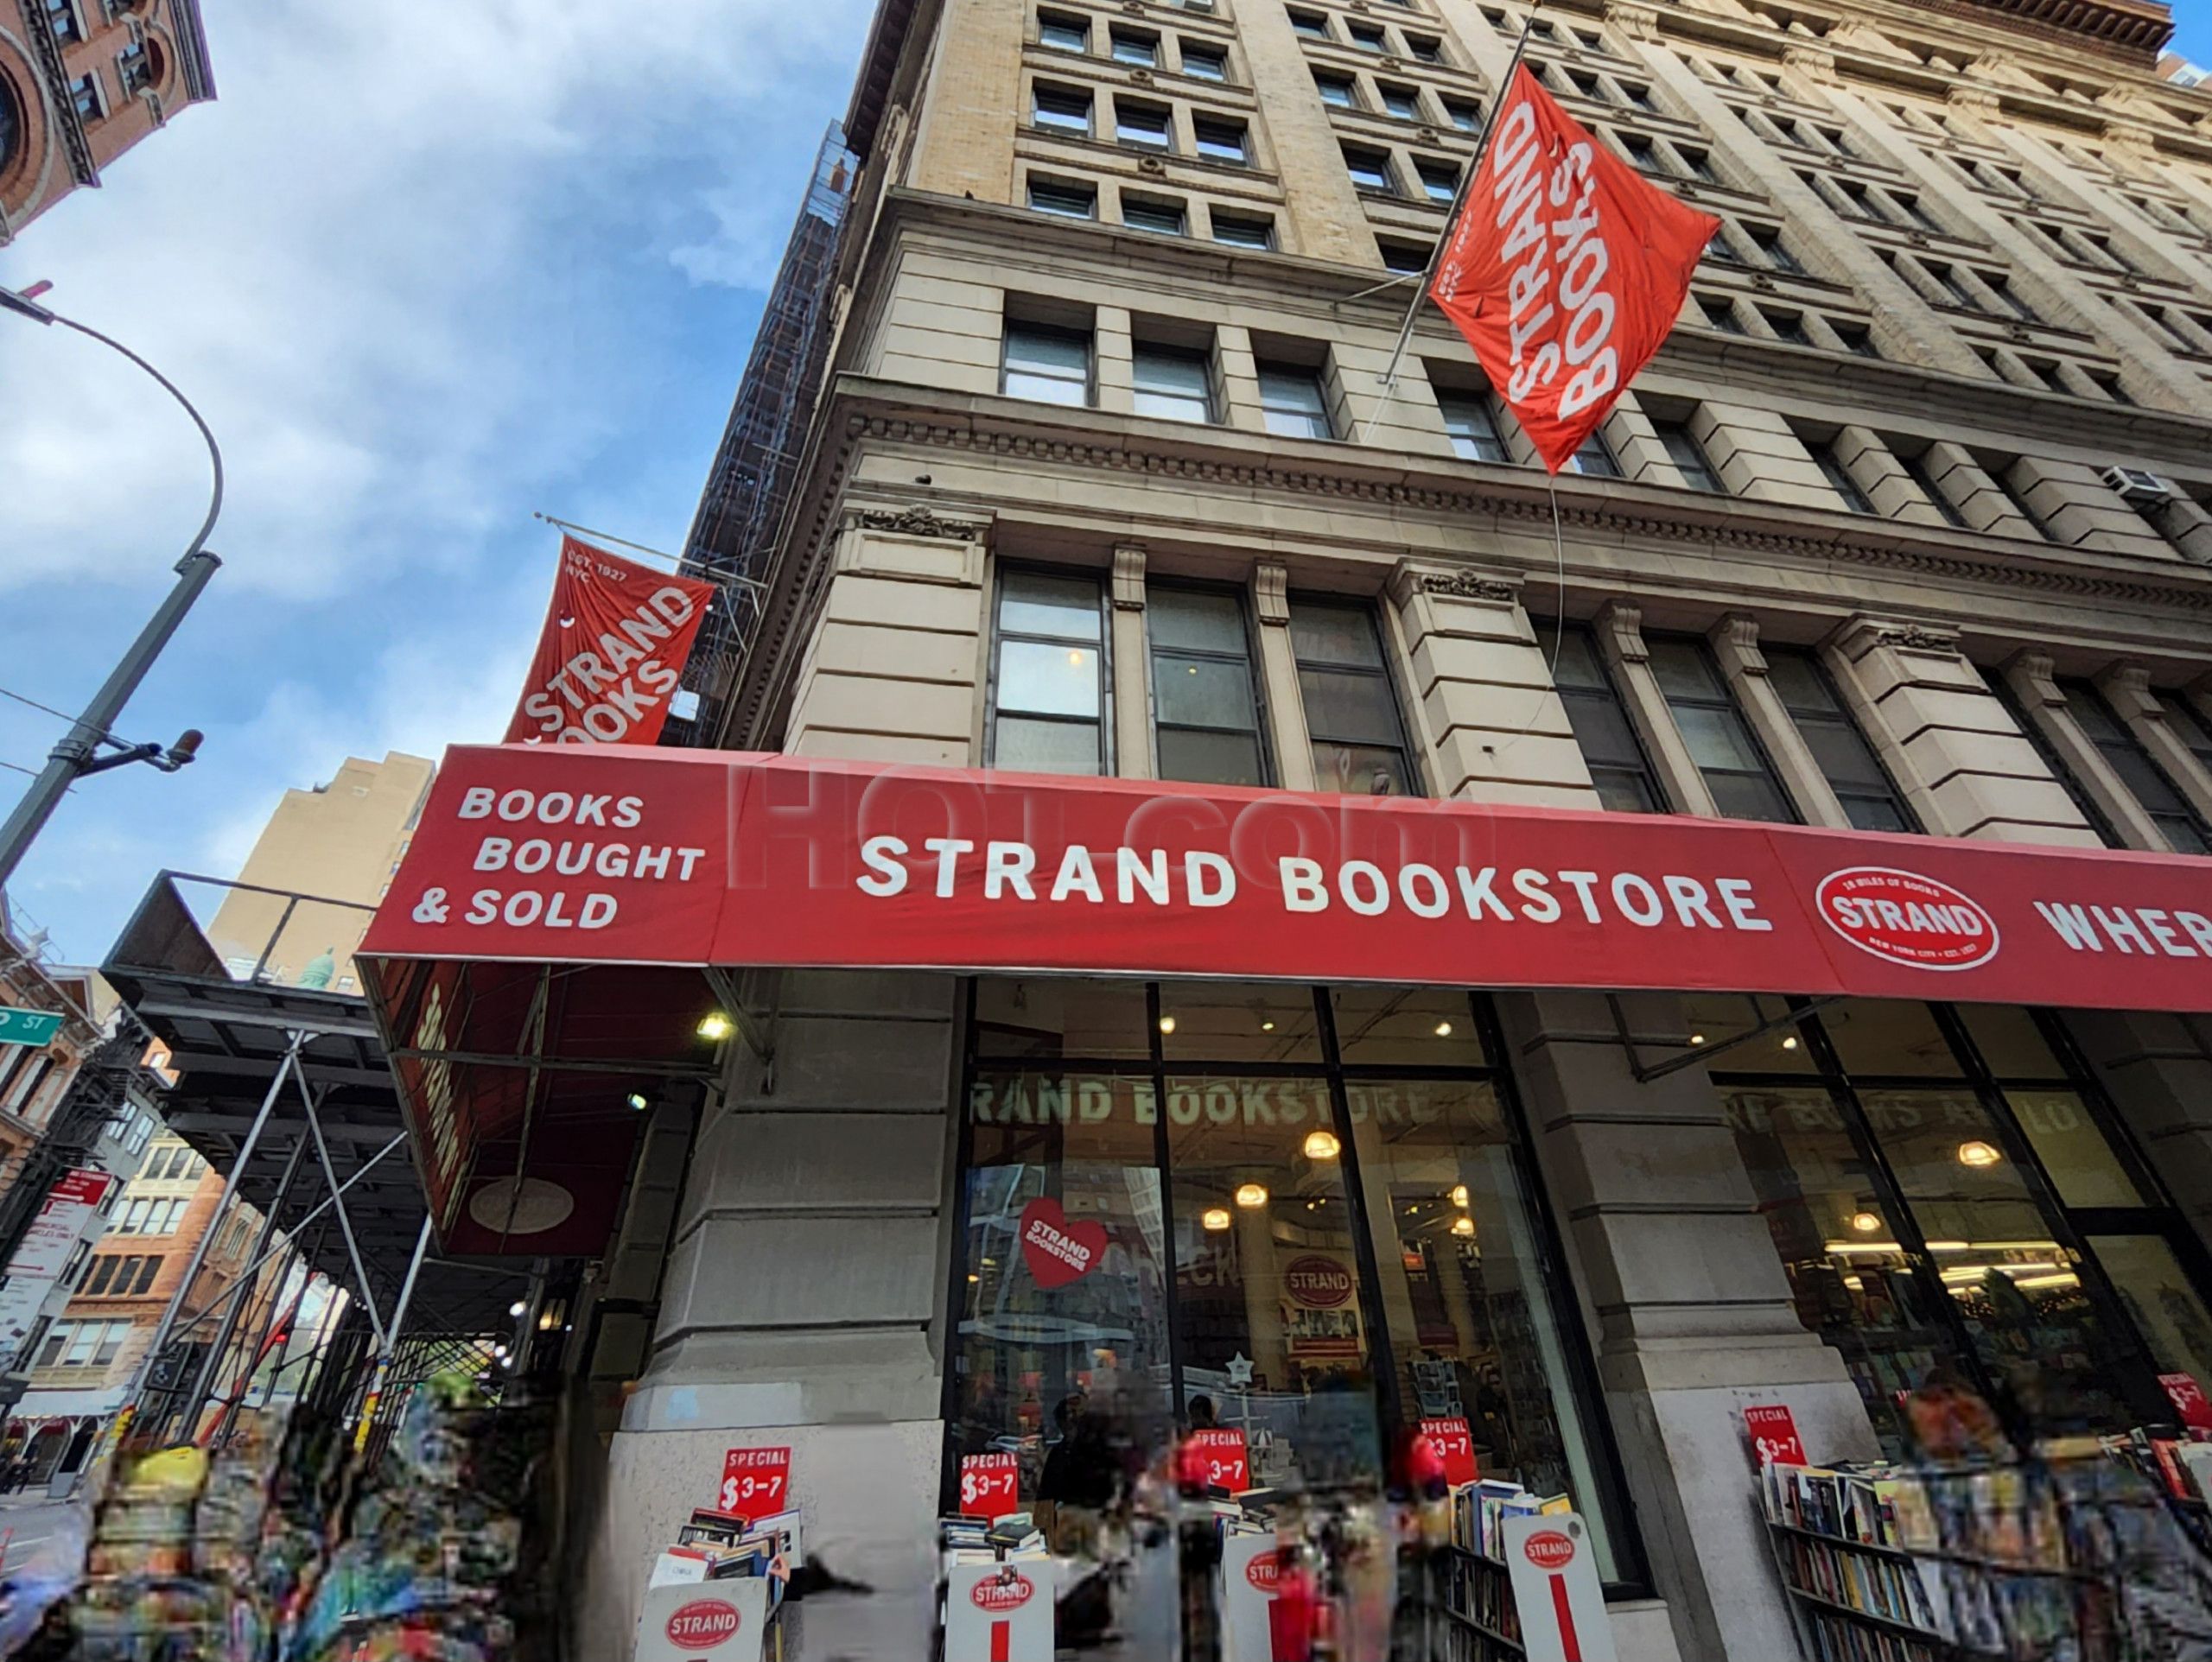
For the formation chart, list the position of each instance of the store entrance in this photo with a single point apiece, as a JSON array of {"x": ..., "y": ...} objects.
[{"x": 1303, "y": 1216}]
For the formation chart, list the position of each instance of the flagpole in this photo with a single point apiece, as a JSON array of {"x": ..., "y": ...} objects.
[{"x": 1459, "y": 204}]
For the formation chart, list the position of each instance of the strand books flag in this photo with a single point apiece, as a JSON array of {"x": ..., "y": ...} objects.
[
  {"x": 613, "y": 647},
  {"x": 1565, "y": 269}
]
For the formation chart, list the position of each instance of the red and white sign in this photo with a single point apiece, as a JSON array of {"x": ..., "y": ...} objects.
[
  {"x": 1555, "y": 1587},
  {"x": 999, "y": 1613},
  {"x": 1565, "y": 269},
  {"x": 1058, "y": 1252},
  {"x": 614, "y": 855},
  {"x": 756, "y": 1482},
  {"x": 990, "y": 1486},
  {"x": 2188, "y": 1401},
  {"x": 1009, "y": 1591},
  {"x": 1317, "y": 1283},
  {"x": 1228, "y": 1462},
  {"x": 1906, "y": 919},
  {"x": 1774, "y": 1435},
  {"x": 1265, "y": 1572},
  {"x": 1455, "y": 1446},
  {"x": 616, "y": 640},
  {"x": 702, "y": 1624},
  {"x": 44, "y": 1250}
]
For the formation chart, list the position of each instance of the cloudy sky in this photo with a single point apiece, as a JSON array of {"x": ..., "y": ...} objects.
[{"x": 425, "y": 268}]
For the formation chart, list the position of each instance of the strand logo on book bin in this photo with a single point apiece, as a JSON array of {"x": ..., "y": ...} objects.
[
  {"x": 1549, "y": 1560},
  {"x": 723, "y": 1620},
  {"x": 756, "y": 1482},
  {"x": 996, "y": 1613},
  {"x": 990, "y": 1486},
  {"x": 1774, "y": 1435},
  {"x": 1058, "y": 1252},
  {"x": 702, "y": 1624},
  {"x": 1008, "y": 1590}
]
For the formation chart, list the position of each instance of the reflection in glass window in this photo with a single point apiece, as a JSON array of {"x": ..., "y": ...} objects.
[
  {"x": 1623, "y": 778},
  {"x": 1292, "y": 404},
  {"x": 2161, "y": 1300},
  {"x": 1050, "y": 692},
  {"x": 1720, "y": 741},
  {"x": 1206, "y": 714},
  {"x": 1468, "y": 419},
  {"x": 1171, "y": 381},
  {"x": 1351, "y": 714},
  {"x": 2153, "y": 791},
  {"x": 1846, "y": 761},
  {"x": 1050, "y": 363},
  {"x": 1054, "y": 1016}
]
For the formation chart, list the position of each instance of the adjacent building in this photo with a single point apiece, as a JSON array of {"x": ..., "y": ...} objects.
[
  {"x": 338, "y": 842},
  {"x": 81, "y": 81},
  {"x": 1906, "y": 530}
]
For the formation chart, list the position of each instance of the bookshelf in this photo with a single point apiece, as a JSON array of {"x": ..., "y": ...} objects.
[{"x": 1481, "y": 1624}]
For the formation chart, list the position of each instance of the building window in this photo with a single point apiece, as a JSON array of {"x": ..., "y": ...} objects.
[
  {"x": 1440, "y": 181},
  {"x": 1069, "y": 200},
  {"x": 1719, "y": 313},
  {"x": 103, "y": 1271},
  {"x": 1688, "y": 456},
  {"x": 1595, "y": 459},
  {"x": 1368, "y": 38},
  {"x": 147, "y": 1271},
  {"x": 1238, "y": 232},
  {"x": 1918, "y": 1168},
  {"x": 1640, "y": 153},
  {"x": 1774, "y": 251},
  {"x": 1142, "y": 126},
  {"x": 1847, "y": 762},
  {"x": 57, "y": 1337},
  {"x": 1145, "y": 213},
  {"x": 1467, "y": 118},
  {"x": 1407, "y": 259},
  {"x": 1129, "y": 47},
  {"x": 1063, "y": 32},
  {"x": 1422, "y": 49},
  {"x": 2145, "y": 780},
  {"x": 1603, "y": 732},
  {"x": 1351, "y": 714},
  {"x": 61, "y": 18},
  {"x": 1338, "y": 90},
  {"x": 2189, "y": 727},
  {"x": 1857, "y": 341},
  {"x": 1311, "y": 25},
  {"x": 1293, "y": 403},
  {"x": 1205, "y": 63},
  {"x": 1222, "y": 141},
  {"x": 1206, "y": 714},
  {"x": 84, "y": 97},
  {"x": 1050, "y": 365},
  {"x": 1049, "y": 675},
  {"x": 1788, "y": 327},
  {"x": 1722, "y": 249},
  {"x": 1839, "y": 479},
  {"x": 1727, "y": 752},
  {"x": 1699, "y": 165},
  {"x": 1398, "y": 101},
  {"x": 1474, "y": 427},
  {"x": 1172, "y": 382},
  {"x": 1062, "y": 109},
  {"x": 1369, "y": 170},
  {"x": 134, "y": 65},
  {"x": 1429, "y": 1213}
]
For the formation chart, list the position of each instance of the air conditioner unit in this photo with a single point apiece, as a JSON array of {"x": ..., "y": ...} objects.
[{"x": 2138, "y": 485}]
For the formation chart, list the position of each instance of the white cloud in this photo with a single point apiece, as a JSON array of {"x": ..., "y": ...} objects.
[{"x": 424, "y": 267}]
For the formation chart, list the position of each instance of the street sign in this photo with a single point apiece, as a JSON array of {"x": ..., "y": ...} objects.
[
  {"x": 28, "y": 1026},
  {"x": 1554, "y": 1576}
]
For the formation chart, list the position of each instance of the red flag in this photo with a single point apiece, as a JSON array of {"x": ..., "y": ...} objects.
[
  {"x": 616, "y": 640},
  {"x": 1565, "y": 271}
]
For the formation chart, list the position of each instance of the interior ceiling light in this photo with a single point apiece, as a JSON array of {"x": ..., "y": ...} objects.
[
  {"x": 1977, "y": 1154},
  {"x": 1168, "y": 1024},
  {"x": 1866, "y": 1222},
  {"x": 1460, "y": 1196},
  {"x": 1215, "y": 1218},
  {"x": 715, "y": 1026},
  {"x": 1463, "y": 1224},
  {"x": 1789, "y": 1043},
  {"x": 1322, "y": 1146},
  {"x": 1249, "y": 1195},
  {"x": 1444, "y": 1030}
]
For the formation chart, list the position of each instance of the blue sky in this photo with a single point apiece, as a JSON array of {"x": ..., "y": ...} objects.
[
  {"x": 2193, "y": 31},
  {"x": 424, "y": 268}
]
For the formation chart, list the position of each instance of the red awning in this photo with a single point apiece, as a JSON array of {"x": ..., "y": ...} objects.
[{"x": 537, "y": 960}]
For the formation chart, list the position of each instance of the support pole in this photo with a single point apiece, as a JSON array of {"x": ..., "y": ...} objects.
[
  {"x": 211, "y": 1367},
  {"x": 344, "y": 1222},
  {"x": 389, "y": 1338},
  {"x": 200, "y": 1247}
]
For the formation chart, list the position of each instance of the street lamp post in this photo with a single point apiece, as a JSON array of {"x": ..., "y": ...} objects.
[{"x": 77, "y": 753}]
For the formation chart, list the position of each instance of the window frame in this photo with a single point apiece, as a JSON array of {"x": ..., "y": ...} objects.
[
  {"x": 1696, "y": 470},
  {"x": 1652, "y": 781},
  {"x": 1384, "y": 672},
  {"x": 1842, "y": 717},
  {"x": 1725, "y": 701},
  {"x": 1263, "y": 723},
  {"x": 1068, "y": 334},
  {"x": 994, "y": 708},
  {"x": 2125, "y": 741},
  {"x": 1198, "y": 356}
]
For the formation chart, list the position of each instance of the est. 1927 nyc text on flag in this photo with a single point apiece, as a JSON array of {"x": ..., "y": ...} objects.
[{"x": 1565, "y": 269}]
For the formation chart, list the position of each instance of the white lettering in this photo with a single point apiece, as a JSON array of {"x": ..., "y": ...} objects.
[
  {"x": 1302, "y": 889},
  {"x": 882, "y": 855}
]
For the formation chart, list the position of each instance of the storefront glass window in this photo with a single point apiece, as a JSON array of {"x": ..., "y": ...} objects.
[
  {"x": 1054, "y": 1016},
  {"x": 2083, "y": 1165},
  {"x": 1473, "y": 1320},
  {"x": 1423, "y": 1027},
  {"x": 1238, "y": 1021},
  {"x": 2161, "y": 1301},
  {"x": 1874, "y": 1037}
]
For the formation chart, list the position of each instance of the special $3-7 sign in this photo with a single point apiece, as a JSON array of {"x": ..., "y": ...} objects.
[{"x": 1565, "y": 271}]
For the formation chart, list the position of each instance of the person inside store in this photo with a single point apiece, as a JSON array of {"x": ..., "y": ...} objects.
[{"x": 1198, "y": 1536}]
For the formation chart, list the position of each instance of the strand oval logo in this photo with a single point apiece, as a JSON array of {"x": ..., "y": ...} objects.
[
  {"x": 702, "y": 1624},
  {"x": 1549, "y": 1549},
  {"x": 1265, "y": 1573},
  {"x": 1003, "y": 1593},
  {"x": 1906, "y": 919},
  {"x": 1317, "y": 1283}
]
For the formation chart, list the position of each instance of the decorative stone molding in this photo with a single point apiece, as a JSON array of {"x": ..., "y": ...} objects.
[
  {"x": 1466, "y": 586},
  {"x": 1913, "y": 637},
  {"x": 1811, "y": 63},
  {"x": 917, "y": 521},
  {"x": 1623, "y": 624},
  {"x": 1271, "y": 593},
  {"x": 1153, "y": 166},
  {"x": 2035, "y": 673},
  {"x": 1638, "y": 22},
  {"x": 1974, "y": 101},
  {"x": 1128, "y": 577},
  {"x": 1738, "y": 634},
  {"x": 2127, "y": 684}
]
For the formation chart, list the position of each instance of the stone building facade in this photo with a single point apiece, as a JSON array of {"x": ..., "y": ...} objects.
[
  {"x": 1120, "y": 284},
  {"x": 81, "y": 81}
]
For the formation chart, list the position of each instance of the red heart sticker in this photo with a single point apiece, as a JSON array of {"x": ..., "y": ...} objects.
[{"x": 1058, "y": 1252}]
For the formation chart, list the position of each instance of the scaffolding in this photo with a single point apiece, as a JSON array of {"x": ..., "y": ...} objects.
[{"x": 755, "y": 468}]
